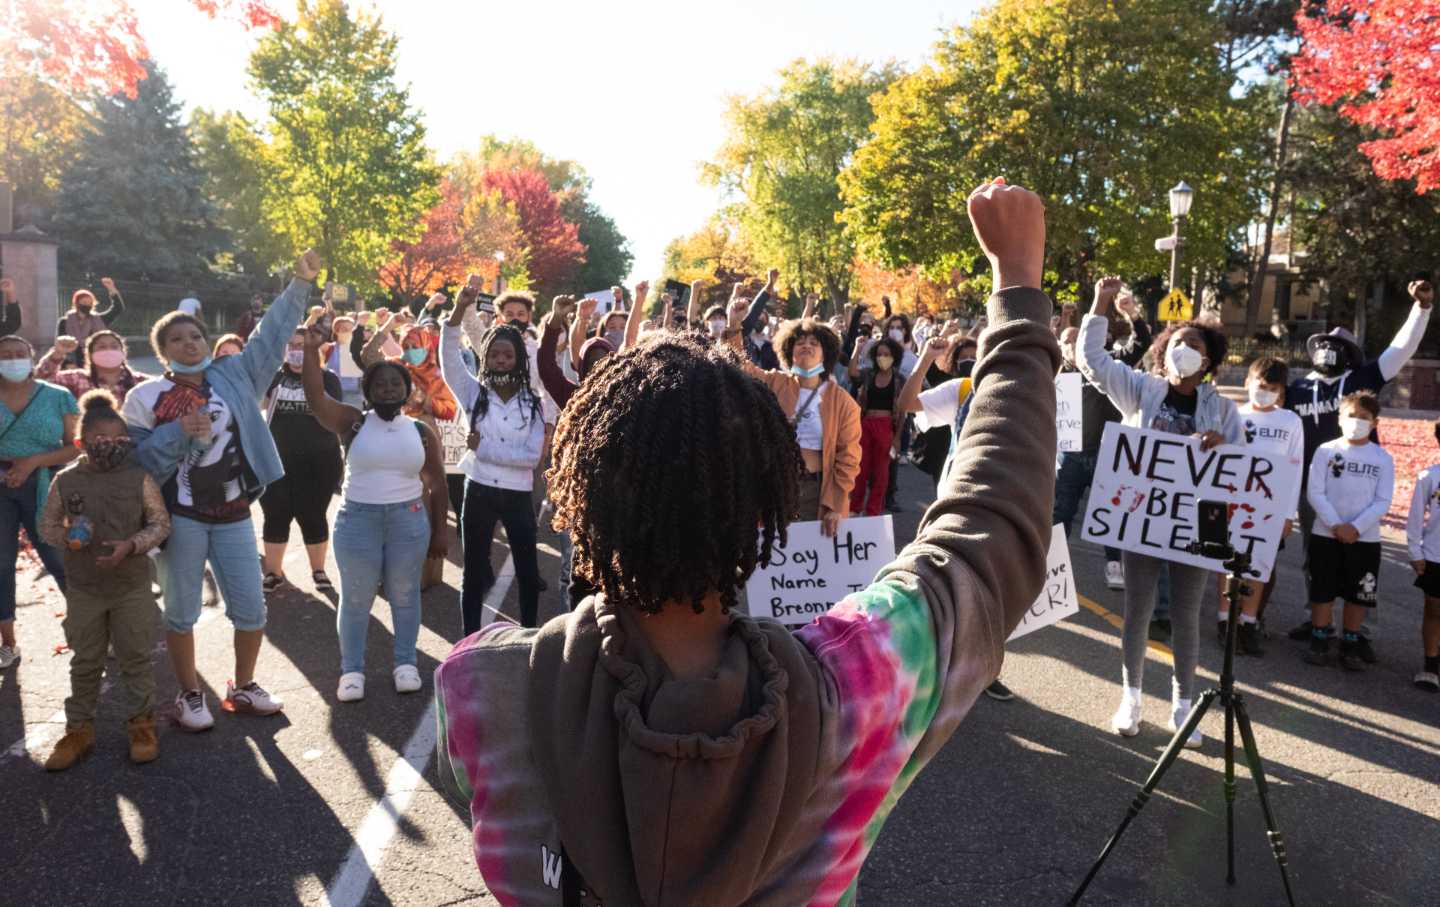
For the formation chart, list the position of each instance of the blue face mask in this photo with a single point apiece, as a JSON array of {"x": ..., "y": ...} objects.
[
  {"x": 181, "y": 368},
  {"x": 808, "y": 372},
  {"x": 415, "y": 355},
  {"x": 15, "y": 370}
]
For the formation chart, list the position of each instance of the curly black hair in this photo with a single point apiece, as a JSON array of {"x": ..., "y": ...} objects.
[
  {"x": 792, "y": 330},
  {"x": 1216, "y": 346},
  {"x": 675, "y": 472},
  {"x": 520, "y": 374}
]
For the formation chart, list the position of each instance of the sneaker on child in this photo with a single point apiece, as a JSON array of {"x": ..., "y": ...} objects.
[
  {"x": 9, "y": 655},
  {"x": 191, "y": 711},
  {"x": 1126, "y": 720},
  {"x": 251, "y": 699},
  {"x": 1114, "y": 575}
]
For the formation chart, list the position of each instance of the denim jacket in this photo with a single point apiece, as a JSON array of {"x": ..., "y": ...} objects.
[
  {"x": 1138, "y": 395},
  {"x": 241, "y": 381}
]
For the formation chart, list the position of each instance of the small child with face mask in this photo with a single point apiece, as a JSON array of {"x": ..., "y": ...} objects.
[
  {"x": 104, "y": 513},
  {"x": 1351, "y": 482}
]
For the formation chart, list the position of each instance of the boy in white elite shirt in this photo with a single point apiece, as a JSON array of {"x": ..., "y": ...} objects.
[
  {"x": 1422, "y": 531},
  {"x": 1351, "y": 482},
  {"x": 1278, "y": 431}
]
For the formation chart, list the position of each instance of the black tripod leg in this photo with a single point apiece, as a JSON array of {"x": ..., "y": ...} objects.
[
  {"x": 1167, "y": 758},
  {"x": 1257, "y": 771},
  {"x": 1230, "y": 791}
]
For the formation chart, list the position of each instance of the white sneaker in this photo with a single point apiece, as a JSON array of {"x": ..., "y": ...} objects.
[
  {"x": 251, "y": 699},
  {"x": 352, "y": 687},
  {"x": 9, "y": 655},
  {"x": 1114, "y": 575},
  {"x": 191, "y": 712},
  {"x": 407, "y": 679},
  {"x": 1126, "y": 720},
  {"x": 1179, "y": 711},
  {"x": 1425, "y": 680}
]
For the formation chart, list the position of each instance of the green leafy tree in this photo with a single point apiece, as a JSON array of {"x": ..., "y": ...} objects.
[
  {"x": 39, "y": 132},
  {"x": 347, "y": 170},
  {"x": 1099, "y": 107},
  {"x": 132, "y": 203},
  {"x": 234, "y": 159},
  {"x": 782, "y": 158}
]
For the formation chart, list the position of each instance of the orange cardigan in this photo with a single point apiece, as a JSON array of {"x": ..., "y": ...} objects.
[{"x": 839, "y": 429}]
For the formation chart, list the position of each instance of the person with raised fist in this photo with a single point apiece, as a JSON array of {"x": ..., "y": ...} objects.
[
  {"x": 9, "y": 308},
  {"x": 84, "y": 318},
  {"x": 784, "y": 752},
  {"x": 199, "y": 431}
]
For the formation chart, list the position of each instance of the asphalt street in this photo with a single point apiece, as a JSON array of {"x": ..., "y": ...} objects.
[{"x": 338, "y": 803}]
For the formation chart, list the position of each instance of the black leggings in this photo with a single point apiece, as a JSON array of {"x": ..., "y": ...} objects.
[
  {"x": 484, "y": 506},
  {"x": 303, "y": 494}
]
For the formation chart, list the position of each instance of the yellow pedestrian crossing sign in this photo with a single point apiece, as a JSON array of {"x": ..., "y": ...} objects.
[{"x": 1176, "y": 306}]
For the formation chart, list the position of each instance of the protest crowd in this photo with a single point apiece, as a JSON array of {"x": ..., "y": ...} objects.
[{"x": 675, "y": 453}]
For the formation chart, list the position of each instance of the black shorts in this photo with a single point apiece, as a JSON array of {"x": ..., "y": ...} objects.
[
  {"x": 1351, "y": 572},
  {"x": 1429, "y": 581}
]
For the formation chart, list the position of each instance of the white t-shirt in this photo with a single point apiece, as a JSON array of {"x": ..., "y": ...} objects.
[
  {"x": 809, "y": 426},
  {"x": 939, "y": 404},
  {"x": 1279, "y": 432},
  {"x": 1422, "y": 529},
  {"x": 1350, "y": 484}
]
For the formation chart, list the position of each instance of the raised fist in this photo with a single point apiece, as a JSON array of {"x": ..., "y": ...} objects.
[
  {"x": 1423, "y": 292},
  {"x": 1009, "y": 224},
  {"x": 562, "y": 307},
  {"x": 308, "y": 265},
  {"x": 436, "y": 301},
  {"x": 66, "y": 344},
  {"x": 109, "y": 285},
  {"x": 935, "y": 347},
  {"x": 587, "y": 308},
  {"x": 617, "y": 294},
  {"x": 7, "y": 289},
  {"x": 772, "y": 275},
  {"x": 1106, "y": 289},
  {"x": 737, "y": 311}
]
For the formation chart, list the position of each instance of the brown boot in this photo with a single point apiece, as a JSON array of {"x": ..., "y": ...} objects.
[
  {"x": 144, "y": 743},
  {"x": 77, "y": 743}
]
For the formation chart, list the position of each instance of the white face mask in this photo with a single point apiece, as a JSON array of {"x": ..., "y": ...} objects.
[
  {"x": 295, "y": 357},
  {"x": 897, "y": 335},
  {"x": 1262, "y": 398},
  {"x": 1355, "y": 429},
  {"x": 717, "y": 327},
  {"x": 1183, "y": 361}
]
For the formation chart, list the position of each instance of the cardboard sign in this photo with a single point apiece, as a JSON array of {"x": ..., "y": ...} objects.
[
  {"x": 453, "y": 433},
  {"x": 811, "y": 573},
  {"x": 1068, "y": 427},
  {"x": 1058, "y": 599},
  {"x": 1147, "y": 484},
  {"x": 1176, "y": 306}
]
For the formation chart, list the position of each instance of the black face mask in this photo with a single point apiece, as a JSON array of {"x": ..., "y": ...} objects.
[
  {"x": 1329, "y": 361},
  {"x": 387, "y": 411}
]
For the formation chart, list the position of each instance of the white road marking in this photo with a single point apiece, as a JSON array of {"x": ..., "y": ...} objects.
[{"x": 407, "y": 775}]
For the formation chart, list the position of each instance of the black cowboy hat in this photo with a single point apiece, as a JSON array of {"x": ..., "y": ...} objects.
[{"x": 1340, "y": 336}]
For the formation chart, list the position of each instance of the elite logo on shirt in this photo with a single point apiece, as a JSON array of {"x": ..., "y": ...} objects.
[
  {"x": 1249, "y": 431},
  {"x": 1337, "y": 465}
]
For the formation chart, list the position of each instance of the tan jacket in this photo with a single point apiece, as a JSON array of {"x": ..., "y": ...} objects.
[{"x": 839, "y": 430}]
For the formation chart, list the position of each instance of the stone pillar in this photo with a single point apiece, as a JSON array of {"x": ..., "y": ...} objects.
[{"x": 29, "y": 257}]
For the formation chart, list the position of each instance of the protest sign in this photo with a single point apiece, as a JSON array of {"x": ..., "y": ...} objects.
[
  {"x": 811, "y": 573},
  {"x": 453, "y": 433},
  {"x": 1068, "y": 426},
  {"x": 1147, "y": 484},
  {"x": 1057, "y": 599},
  {"x": 605, "y": 298}
]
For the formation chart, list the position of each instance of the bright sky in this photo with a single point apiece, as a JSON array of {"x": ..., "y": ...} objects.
[{"x": 633, "y": 91}]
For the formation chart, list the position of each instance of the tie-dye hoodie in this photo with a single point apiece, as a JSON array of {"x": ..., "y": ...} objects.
[{"x": 593, "y": 776}]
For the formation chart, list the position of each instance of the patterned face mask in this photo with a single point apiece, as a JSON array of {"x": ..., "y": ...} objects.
[{"x": 107, "y": 453}]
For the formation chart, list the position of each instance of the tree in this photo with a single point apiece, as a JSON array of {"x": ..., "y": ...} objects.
[
  {"x": 607, "y": 257},
  {"x": 1377, "y": 59},
  {"x": 1079, "y": 101},
  {"x": 233, "y": 158},
  {"x": 93, "y": 47},
  {"x": 39, "y": 132},
  {"x": 785, "y": 150},
  {"x": 132, "y": 203},
  {"x": 347, "y": 169},
  {"x": 552, "y": 244},
  {"x": 462, "y": 235},
  {"x": 1363, "y": 235},
  {"x": 719, "y": 252}
]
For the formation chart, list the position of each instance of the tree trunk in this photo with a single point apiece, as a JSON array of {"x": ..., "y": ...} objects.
[{"x": 1262, "y": 268}]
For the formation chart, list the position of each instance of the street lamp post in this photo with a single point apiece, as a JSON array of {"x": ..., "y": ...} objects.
[{"x": 1181, "y": 198}]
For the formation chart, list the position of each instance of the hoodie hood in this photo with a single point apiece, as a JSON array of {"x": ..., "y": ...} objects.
[{"x": 640, "y": 768}]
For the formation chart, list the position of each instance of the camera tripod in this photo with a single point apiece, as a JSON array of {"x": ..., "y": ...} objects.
[{"x": 1238, "y": 566}]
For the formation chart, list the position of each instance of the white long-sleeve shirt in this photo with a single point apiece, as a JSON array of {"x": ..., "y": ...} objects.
[
  {"x": 1351, "y": 483},
  {"x": 512, "y": 435},
  {"x": 1422, "y": 530},
  {"x": 1280, "y": 433}
]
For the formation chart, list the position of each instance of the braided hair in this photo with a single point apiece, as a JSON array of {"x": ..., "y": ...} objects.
[
  {"x": 666, "y": 461},
  {"x": 520, "y": 375}
]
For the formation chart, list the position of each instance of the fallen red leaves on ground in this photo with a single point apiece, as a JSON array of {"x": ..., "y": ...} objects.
[{"x": 1411, "y": 442}]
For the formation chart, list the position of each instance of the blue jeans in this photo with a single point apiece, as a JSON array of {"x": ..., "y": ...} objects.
[
  {"x": 375, "y": 544},
  {"x": 230, "y": 549},
  {"x": 19, "y": 507},
  {"x": 1076, "y": 470}
]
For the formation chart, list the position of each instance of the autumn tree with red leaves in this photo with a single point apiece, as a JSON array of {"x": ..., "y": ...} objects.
[
  {"x": 462, "y": 234},
  {"x": 1377, "y": 60},
  {"x": 552, "y": 242}
]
